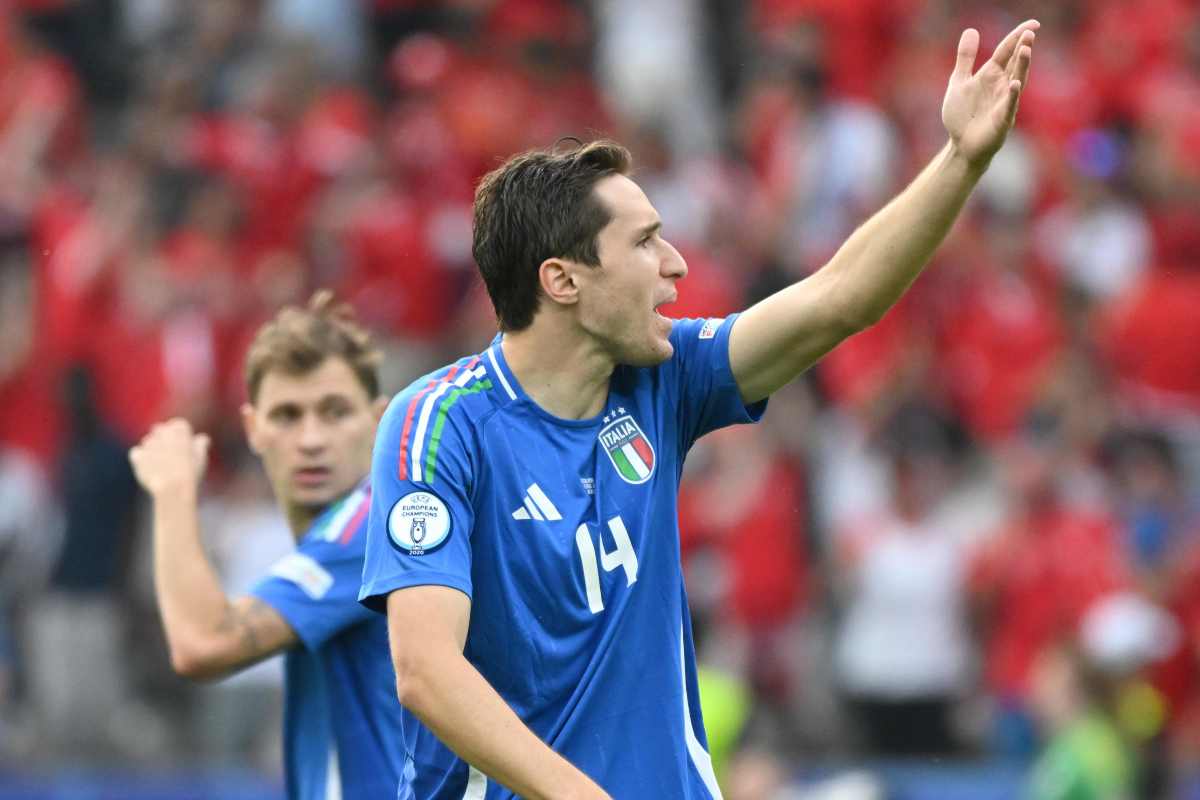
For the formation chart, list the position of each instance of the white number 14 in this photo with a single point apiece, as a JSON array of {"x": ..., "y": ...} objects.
[{"x": 622, "y": 556}]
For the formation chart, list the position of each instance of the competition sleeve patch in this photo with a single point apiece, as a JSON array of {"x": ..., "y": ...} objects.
[
  {"x": 710, "y": 327},
  {"x": 419, "y": 523},
  {"x": 306, "y": 573}
]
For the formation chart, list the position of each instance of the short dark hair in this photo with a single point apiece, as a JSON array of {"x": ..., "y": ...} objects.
[
  {"x": 298, "y": 340},
  {"x": 540, "y": 205}
]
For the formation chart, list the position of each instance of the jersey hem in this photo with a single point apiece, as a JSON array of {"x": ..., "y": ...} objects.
[
  {"x": 751, "y": 412},
  {"x": 312, "y": 642},
  {"x": 374, "y": 594}
]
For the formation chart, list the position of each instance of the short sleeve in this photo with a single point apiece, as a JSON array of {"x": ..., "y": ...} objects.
[
  {"x": 708, "y": 394},
  {"x": 421, "y": 518},
  {"x": 316, "y": 588}
]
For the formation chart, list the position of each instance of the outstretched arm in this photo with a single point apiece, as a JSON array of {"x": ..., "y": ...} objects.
[
  {"x": 208, "y": 635},
  {"x": 785, "y": 334}
]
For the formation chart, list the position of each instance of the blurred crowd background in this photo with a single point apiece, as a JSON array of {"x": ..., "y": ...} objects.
[{"x": 968, "y": 540}]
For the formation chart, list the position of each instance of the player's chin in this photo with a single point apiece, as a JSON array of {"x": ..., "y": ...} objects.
[
  {"x": 314, "y": 496},
  {"x": 663, "y": 350},
  {"x": 661, "y": 338}
]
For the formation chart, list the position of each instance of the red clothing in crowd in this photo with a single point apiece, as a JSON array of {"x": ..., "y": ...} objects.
[
  {"x": 862, "y": 366},
  {"x": 391, "y": 276},
  {"x": 38, "y": 87},
  {"x": 1151, "y": 338},
  {"x": 761, "y": 543},
  {"x": 30, "y": 419},
  {"x": 999, "y": 341},
  {"x": 1035, "y": 581},
  {"x": 1150, "y": 32},
  {"x": 1177, "y": 677},
  {"x": 127, "y": 362},
  {"x": 708, "y": 291},
  {"x": 275, "y": 184},
  {"x": 861, "y": 37}
]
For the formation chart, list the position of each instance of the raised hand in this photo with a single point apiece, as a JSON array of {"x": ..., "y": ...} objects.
[
  {"x": 170, "y": 458},
  {"x": 980, "y": 106}
]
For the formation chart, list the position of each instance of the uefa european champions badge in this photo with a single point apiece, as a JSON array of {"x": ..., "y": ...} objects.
[
  {"x": 419, "y": 523},
  {"x": 628, "y": 449}
]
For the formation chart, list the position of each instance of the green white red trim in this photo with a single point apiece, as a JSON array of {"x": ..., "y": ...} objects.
[{"x": 423, "y": 446}]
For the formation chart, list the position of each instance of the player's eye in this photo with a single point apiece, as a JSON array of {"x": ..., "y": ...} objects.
[
  {"x": 284, "y": 415},
  {"x": 337, "y": 412}
]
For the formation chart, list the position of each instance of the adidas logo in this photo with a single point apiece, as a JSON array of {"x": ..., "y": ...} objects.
[{"x": 537, "y": 506}]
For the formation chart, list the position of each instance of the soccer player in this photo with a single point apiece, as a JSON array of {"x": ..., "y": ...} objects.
[
  {"x": 314, "y": 405},
  {"x": 523, "y": 533}
]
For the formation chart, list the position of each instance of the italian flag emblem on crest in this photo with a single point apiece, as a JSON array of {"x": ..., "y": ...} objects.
[{"x": 628, "y": 449}]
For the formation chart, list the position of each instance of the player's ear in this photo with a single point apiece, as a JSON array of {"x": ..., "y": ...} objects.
[
  {"x": 250, "y": 426},
  {"x": 557, "y": 279}
]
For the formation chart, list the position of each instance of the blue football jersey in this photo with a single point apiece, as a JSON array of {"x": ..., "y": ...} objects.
[
  {"x": 565, "y": 535},
  {"x": 341, "y": 716}
]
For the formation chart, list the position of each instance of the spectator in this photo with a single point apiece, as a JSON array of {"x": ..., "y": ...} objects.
[
  {"x": 79, "y": 699},
  {"x": 1085, "y": 755},
  {"x": 1083, "y": 691},
  {"x": 742, "y": 524},
  {"x": 903, "y": 580},
  {"x": 830, "y": 161},
  {"x": 1034, "y": 580},
  {"x": 1097, "y": 238},
  {"x": 30, "y": 537}
]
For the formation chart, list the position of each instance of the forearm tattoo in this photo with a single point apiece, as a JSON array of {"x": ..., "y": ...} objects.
[{"x": 249, "y": 620}]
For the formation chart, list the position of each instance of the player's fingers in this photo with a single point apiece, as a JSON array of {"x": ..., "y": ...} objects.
[
  {"x": 968, "y": 49},
  {"x": 1021, "y": 62},
  {"x": 1014, "y": 62},
  {"x": 1014, "y": 100},
  {"x": 1004, "y": 51},
  {"x": 200, "y": 444}
]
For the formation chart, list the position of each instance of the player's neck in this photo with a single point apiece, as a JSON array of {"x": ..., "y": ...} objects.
[
  {"x": 566, "y": 375},
  {"x": 300, "y": 519}
]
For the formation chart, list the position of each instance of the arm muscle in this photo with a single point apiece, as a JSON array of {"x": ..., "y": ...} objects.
[{"x": 427, "y": 629}]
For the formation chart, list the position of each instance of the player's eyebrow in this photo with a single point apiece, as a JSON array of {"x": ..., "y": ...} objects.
[
  {"x": 336, "y": 397},
  {"x": 282, "y": 407}
]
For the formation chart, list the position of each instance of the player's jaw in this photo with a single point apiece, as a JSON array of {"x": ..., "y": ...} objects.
[
  {"x": 314, "y": 484},
  {"x": 636, "y": 277},
  {"x": 637, "y": 332}
]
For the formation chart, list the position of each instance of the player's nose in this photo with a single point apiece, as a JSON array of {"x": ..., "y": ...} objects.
[
  {"x": 674, "y": 265},
  {"x": 312, "y": 433}
]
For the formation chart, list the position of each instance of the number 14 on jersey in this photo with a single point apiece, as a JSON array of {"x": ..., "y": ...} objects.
[{"x": 621, "y": 556}]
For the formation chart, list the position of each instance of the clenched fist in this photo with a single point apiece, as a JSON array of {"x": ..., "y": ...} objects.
[{"x": 170, "y": 458}]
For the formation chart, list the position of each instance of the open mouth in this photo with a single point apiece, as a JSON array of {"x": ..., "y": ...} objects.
[{"x": 659, "y": 306}]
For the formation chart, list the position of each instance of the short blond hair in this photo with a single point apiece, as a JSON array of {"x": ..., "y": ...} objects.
[{"x": 298, "y": 340}]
